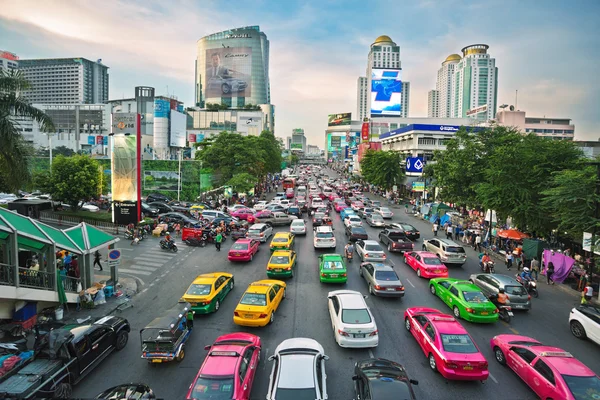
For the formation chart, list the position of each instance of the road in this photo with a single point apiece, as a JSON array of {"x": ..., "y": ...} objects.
[{"x": 304, "y": 314}]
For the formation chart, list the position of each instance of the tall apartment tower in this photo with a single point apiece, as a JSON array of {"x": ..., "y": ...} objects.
[
  {"x": 433, "y": 103},
  {"x": 444, "y": 84},
  {"x": 475, "y": 85},
  {"x": 65, "y": 81},
  {"x": 8, "y": 61},
  {"x": 384, "y": 54}
]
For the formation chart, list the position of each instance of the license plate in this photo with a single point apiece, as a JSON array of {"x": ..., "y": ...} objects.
[
  {"x": 517, "y": 305},
  {"x": 333, "y": 275},
  {"x": 237, "y": 254},
  {"x": 249, "y": 316},
  {"x": 467, "y": 368},
  {"x": 359, "y": 335},
  {"x": 156, "y": 361},
  {"x": 390, "y": 289},
  {"x": 437, "y": 271},
  {"x": 193, "y": 304},
  {"x": 278, "y": 270},
  {"x": 484, "y": 313}
]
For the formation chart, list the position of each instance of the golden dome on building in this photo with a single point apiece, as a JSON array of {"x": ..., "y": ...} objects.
[
  {"x": 382, "y": 39},
  {"x": 453, "y": 57}
]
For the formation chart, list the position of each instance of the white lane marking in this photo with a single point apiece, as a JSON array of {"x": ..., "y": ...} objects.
[
  {"x": 143, "y": 290},
  {"x": 149, "y": 263},
  {"x": 151, "y": 260},
  {"x": 410, "y": 283},
  {"x": 151, "y": 269},
  {"x": 134, "y": 271},
  {"x": 494, "y": 379},
  {"x": 154, "y": 256},
  {"x": 125, "y": 249},
  {"x": 371, "y": 354},
  {"x": 152, "y": 284}
]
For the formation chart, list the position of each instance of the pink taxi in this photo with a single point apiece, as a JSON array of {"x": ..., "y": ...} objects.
[
  {"x": 243, "y": 250},
  {"x": 243, "y": 213},
  {"x": 550, "y": 372},
  {"x": 333, "y": 196},
  {"x": 228, "y": 370},
  {"x": 339, "y": 206},
  {"x": 427, "y": 264},
  {"x": 448, "y": 346}
]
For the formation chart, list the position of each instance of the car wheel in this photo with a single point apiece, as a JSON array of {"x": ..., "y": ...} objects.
[
  {"x": 407, "y": 324},
  {"x": 578, "y": 330},
  {"x": 405, "y": 260},
  {"x": 424, "y": 248},
  {"x": 432, "y": 363},
  {"x": 231, "y": 285},
  {"x": 180, "y": 356},
  {"x": 217, "y": 305},
  {"x": 122, "y": 339},
  {"x": 456, "y": 312},
  {"x": 419, "y": 272},
  {"x": 432, "y": 289},
  {"x": 499, "y": 354},
  {"x": 63, "y": 391},
  {"x": 272, "y": 317},
  {"x": 225, "y": 88}
]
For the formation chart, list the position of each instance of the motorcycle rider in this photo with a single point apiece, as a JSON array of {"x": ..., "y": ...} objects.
[
  {"x": 485, "y": 259},
  {"x": 349, "y": 250},
  {"x": 499, "y": 299},
  {"x": 526, "y": 275},
  {"x": 169, "y": 241}
]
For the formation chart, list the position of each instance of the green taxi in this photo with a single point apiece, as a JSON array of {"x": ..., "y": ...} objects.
[
  {"x": 332, "y": 269},
  {"x": 465, "y": 299},
  {"x": 281, "y": 264},
  {"x": 207, "y": 292}
]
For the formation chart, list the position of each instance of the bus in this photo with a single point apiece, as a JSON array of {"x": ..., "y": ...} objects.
[{"x": 289, "y": 183}]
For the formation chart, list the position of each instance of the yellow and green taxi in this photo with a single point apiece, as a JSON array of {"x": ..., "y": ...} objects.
[
  {"x": 207, "y": 291},
  {"x": 465, "y": 299},
  {"x": 332, "y": 269},
  {"x": 282, "y": 241},
  {"x": 258, "y": 305},
  {"x": 281, "y": 264}
]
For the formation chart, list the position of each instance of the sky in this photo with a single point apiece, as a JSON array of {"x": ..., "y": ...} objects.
[{"x": 548, "y": 50}]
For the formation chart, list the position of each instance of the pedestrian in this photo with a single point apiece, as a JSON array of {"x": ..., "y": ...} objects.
[
  {"x": 449, "y": 232},
  {"x": 97, "y": 259},
  {"x": 583, "y": 280},
  {"x": 535, "y": 267},
  {"x": 177, "y": 229},
  {"x": 478, "y": 243},
  {"x": 218, "y": 240},
  {"x": 67, "y": 261},
  {"x": 74, "y": 270},
  {"x": 435, "y": 228},
  {"x": 549, "y": 272},
  {"x": 509, "y": 260},
  {"x": 190, "y": 319}
]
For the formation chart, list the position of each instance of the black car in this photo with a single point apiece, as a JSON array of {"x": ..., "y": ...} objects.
[
  {"x": 162, "y": 207},
  {"x": 175, "y": 216},
  {"x": 128, "y": 391},
  {"x": 149, "y": 211},
  {"x": 356, "y": 232},
  {"x": 411, "y": 232},
  {"x": 381, "y": 379},
  {"x": 295, "y": 211},
  {"x": 317, "y": 219},
  {"x": 157, "y": 197}
]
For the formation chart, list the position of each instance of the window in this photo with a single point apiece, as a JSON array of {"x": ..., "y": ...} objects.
[
  {"x": 244, "y": 362},
  {"x": 97, "y": 334},
  {"x": 356, "y": 316},
  {"x": 525, "y": 354},
  {"x": 421, "y": 320},
  {"x": 426, "y": 141},
  {"x": 336, "y": 305},
  {"x": 544, "y": 371},
  {"x": 461, "y": 343},
  {"x": 454, "y": 291},
  {"x": 82, "y": 346},
  {"x": 430, "y": 332},
  {"x": 272, "y": 295}
]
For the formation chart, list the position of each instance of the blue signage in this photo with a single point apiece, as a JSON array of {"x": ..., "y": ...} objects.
[
  {"x": 428, "y": 128},
  {"x": 92, "y": 140},
  {"x": 415, "y": 164},
  {"x": 105, "y": 140},
  {"x": 162, "y": 108},
  {"x": 114, "y": 254}
]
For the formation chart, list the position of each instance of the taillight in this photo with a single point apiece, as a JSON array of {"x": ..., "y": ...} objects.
[
  {"x": 528, "y": 297},
  {"x": 417, "y": 233},
  {"x": 374, "y": 333},
  {"x": 341, "y": 332},
  {"x": 262, "y": 234},
  {"x": 236, "y": 314},
  {"x": 394, "y": 244},
  {"x": 384, "y": 256},
  {"x": 262, "y": 316},
  {"x": 495, "y": 311},
  {"x": 470, "y": 310},
  {"x": 412, "y": 245},
  {"x": 377, "y": 287},
  {"x": 451, "y": 365},
  {"x": 287, "y": 268},
  {"x": 483, "y": 365},
  {"x": 323, "y": 275},
  {"x": 366, "y": 255},
  {"x": 344, "y": 275},
  {"x": 400, "y": 288}
]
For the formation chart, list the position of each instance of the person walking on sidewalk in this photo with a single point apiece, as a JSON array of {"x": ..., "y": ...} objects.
[
  {"x": 478, "y": 243},
  {"x": 509, "y": 260},
  {"x": 218, "y": 241},
  {"x": 535, "y": 268},
  {"x": 449, "y": 232},
  {"x": 549, "y": 273},
  {"x": 435, "y": 228},
  {"x": 97, "y": 259}
]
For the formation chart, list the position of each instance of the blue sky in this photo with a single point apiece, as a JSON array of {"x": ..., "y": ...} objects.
[{"x": 547, "y": 50}]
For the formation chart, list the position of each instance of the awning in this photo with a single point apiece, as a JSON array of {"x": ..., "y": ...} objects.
[
  {"x": 60, "y": 238},
  {"x": 23, "y": 226},
  {"x": 89, "y": 238},
  {"x": 26, "y": 243},
  {"x": 511, "y": 234}
]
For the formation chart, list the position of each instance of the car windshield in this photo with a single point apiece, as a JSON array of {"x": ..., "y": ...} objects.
[
  {"x": 356, "y": 316},
  {"x": 254, "y": 299},
  {"x": 293, "y": 209},
  {"x": 319, "y": 215},
  {"x": 324, "y": 235},
  {"x": 372, "y": 247},
  {"x": 515, "y": 290},
  {"x": 407, "y": 227},
  {"x": 359, "y": 231},
  {"x": 298, "y": 223},
  {"x": 280, "y": 240},
  {"x": 254, "y": 231},
  {"x": 198, "y": 290},
  {"x": 474, "y": 297},
  {"x": 296, "y": 394},
  {"x": 455, "y": 249},
  {"x": 431, "y": 261},
  {"x": 458, "y": 344},
  {"x": 583, "y": 387},
  {"x": 386, "y": 276},
  {"x": 280, "y": 260},
  {"x": 376, "y": 203},
  {"x": 385, "y": 209},
  {"x": 214, "y": 389},
  {"x": 376, "y": 217},
  {"x": 333, "y": 265},
  {"x": 239, "y": 246}
]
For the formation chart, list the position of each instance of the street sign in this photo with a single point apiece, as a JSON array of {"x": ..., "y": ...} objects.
[
  {"x": 418, "y": 186},
  {"x": 114, "y": 255},
  {"x": 414, "y": 164}
]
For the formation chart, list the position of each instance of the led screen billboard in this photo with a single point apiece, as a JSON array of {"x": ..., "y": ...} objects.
[
  {"x": 339, "y": 119},
  {"x": 386, "y": 92},
  {"x": 228, "y": 72},
  {"x": 178, "y": 132}
]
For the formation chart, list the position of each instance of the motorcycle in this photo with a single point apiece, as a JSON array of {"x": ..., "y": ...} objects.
[
  {"x": 504, "y": 311},
  {"x": 349, "y": 256},
  {"x": 488, "y": 267},
  {"x": 530, "y": 286},
  {"x": 141, "y": 235},
  {"x": 165, "y": 245}
]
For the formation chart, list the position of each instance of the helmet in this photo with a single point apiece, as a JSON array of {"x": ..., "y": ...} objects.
[
  {"x": 526, "y": 269},
  {"x": 501, "y": 290},
  {"x": 168, "y": 233}
]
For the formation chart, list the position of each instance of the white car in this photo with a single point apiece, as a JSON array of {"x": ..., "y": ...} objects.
[
  {"x": 352, "y": 321},
  {"x": 298, "y": 227},
  {"x": 285, "y": 203},
  {"x": 384, "y": 212},
  {"x": 90, "y": 207},
  {"x": 298, "y": 371},
  {"x": 324, "y": 238},
  {"x": 352, "y": 220},
  {"x": 317, "y": 202},
  {"x": 369, "y": 250},
  {"x": 261, "y": 205},
  {"x": 7, "y": 198},
  {"x": 584, "y": 322},
  {"x": 236, "y": 207}
]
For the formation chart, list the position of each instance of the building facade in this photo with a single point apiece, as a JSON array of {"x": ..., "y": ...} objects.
[
  {"x": 232, "y": 67},
  {"x": 8, "y": 61},
  {"x": 362, "y": 98},
  {"x": 433, "y": 110},
  {"x": 312, "y": 150},
  {"x": 444, "y": 85},
  {"x": 65, "y": 81},
  {"x": 298, "y": 141},
  {"x": 551, "y": 128}
]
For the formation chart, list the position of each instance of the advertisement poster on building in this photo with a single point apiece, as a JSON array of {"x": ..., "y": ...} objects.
[
  {"x": 228, "y": 72},
  {"x": 296, "y": 146},
  {"x": 339, "y": 119},
  {"x": 386, "y": 92},
  {"x": 178, "y": 129},
  {"x": 364, "y": 132},
  {"x": 161, "y": 180}
]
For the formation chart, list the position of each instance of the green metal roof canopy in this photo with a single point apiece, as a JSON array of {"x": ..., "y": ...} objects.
[
  {"x": 60, "y": 238},
  {"x": 89, "y": 238},
  {"x": 29, "y": 235}
]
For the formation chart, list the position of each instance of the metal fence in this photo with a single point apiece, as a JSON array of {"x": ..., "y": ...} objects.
[
  {"x": 36, "y": 279},
  {"x": 7, "y": 274},
  {"x": 68, "y": 221}
]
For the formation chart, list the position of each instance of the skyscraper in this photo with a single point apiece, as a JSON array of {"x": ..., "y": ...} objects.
[
  {"x": 232, "y": 68},
  {"x": 383, "y": 55},
  {"x": 433, "y": 103},
  {"x": 65, "y": 81},
  {"x": 444, "y": 84},
  {"x": 8, "y": 61}
]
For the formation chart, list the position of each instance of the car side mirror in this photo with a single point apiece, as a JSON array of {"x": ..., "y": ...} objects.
[
  {"x": 325, "y": 357},
  {"x": 355, "y": 378},
  {"x": 365, "y": 296},
  {"x": 271, "y": 358},
  {"x": 414, "y": 381},
  {"x": 207, "y": 347}
]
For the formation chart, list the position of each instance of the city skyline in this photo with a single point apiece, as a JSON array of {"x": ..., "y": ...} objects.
[{"x": 547, "y": 54}]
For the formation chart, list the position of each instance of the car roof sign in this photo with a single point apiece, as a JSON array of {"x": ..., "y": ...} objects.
[
  {"x": 556, "y": 354},
  {"x": 225, "y": 353},
  {"x": 442, "y": 318}
]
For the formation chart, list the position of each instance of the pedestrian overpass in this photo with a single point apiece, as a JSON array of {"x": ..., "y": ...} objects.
[{"x": 313, "y": 161}]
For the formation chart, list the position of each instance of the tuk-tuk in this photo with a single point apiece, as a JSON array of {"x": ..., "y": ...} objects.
[{"x": 163, "y": 339}]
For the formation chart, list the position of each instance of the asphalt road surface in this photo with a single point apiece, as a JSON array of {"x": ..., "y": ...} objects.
[{"x": 304, "y": 314}]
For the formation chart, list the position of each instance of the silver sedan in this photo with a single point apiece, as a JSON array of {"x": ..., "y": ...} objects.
[
  {"x": 369, "y": 250},
  {"x": 382, "y": 279},
  {"x": 375, "y": 220}
]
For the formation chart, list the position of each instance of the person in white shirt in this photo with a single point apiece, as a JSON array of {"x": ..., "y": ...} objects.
[
  {"x": 588, "y": 292},
  {"x": 449, "y": 232},
  {"x": 478, "y": 243},
  {"x": 435, "y": 228}
]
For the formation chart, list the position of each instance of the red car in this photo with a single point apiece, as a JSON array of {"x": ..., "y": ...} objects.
[
  {"x": 339, "y": 206},
  {"x": 427, "y": 264},
  {"x": 550, "y": 372},
  {"x": 448, "y": 346},
  {"x": 243, "y": 213},
  {"x": 333, "y": 196},
  {"x": 243, "y": 250},
  {"x": 228, "y": 370},
  {"x": 289, "y": 193}
]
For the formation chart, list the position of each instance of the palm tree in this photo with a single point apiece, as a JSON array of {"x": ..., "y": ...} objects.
[{"x": 14, "y": 150}]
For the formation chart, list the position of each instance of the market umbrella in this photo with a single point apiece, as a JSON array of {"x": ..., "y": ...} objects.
[{"x": 511, "y": 234}]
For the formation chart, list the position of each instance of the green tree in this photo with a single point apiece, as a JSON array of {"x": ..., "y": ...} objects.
[
  {"x": 243, "y": 182},
  {"x": 382, "y": 168},
  {"x": 57, "y": 151},
  {"x": 14, "y": 150},
  {"x": 74, "y": 179}
]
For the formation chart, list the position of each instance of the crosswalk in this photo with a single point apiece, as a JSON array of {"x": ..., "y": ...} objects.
[{"x": 148, "y": 261}]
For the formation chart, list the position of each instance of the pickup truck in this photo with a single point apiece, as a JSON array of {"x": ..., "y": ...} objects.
[
  {"x": 275, "y": 218},
  {"x": 396, "y": 240},
  {"x": 64, "y": 357}
]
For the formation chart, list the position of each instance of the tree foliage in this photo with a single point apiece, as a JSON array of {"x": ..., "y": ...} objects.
[
  {"x": 57, "y": 151},
  {"x": 243, "y": 182},
  {"x": 74, "y": 179},
  {"x": 382, "y": 168}
]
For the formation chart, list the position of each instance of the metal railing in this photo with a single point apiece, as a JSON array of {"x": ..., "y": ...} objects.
[
  {"x": 69, "y": 220},
  {"x": 36, "y": 279},
  {"x": 70, "y": 284},
  {"x": 7, "y": 275}
]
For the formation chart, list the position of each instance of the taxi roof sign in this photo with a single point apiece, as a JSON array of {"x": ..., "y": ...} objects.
[
  {"x": 225, "y": 353},
  {"x": 442, "y": 318},
  {"x": 556, "y": 354}
]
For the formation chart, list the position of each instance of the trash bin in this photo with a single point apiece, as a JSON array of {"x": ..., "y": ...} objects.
[{"x": 58, "y": 314}]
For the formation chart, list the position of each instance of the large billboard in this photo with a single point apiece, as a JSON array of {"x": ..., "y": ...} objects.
[
  {"x": 178, "y": 129},
  {"x": 386, "y": 92},
  {"x": 229, "y": 72},
  {"x": 339, "y": 119},
  {"x": 161, "y": 180}
]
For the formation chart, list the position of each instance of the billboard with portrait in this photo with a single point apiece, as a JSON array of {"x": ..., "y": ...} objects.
[
  {"x": 178, "y": 132},
  {"x": 386, "y": 92},
  {"x": 339, "y": 119},
  {"x": 228, "y": 72}
]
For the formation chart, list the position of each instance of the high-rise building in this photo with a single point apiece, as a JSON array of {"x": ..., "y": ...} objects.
[
  {"x": 383, "y": 63},
  {"x": 475, "y": 85},
  {"x": 444, "y": 85},
  {"x": 8, "y": 61},
  {"x": 232, "y": 68},
  {"x": 298, "y": 140},
  {"x": 65, "y": 81},
  {"x": 433, "y": 110}
]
